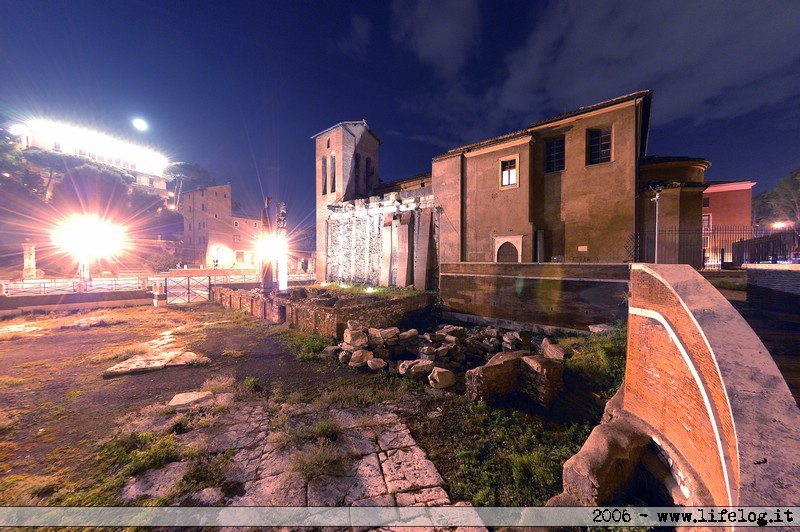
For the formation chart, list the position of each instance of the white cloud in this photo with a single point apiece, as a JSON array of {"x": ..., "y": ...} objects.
[
  {"x": 706, "y": 60},
  {"x": 440, "y": 33},
  {"x": 357, "y": 41}
]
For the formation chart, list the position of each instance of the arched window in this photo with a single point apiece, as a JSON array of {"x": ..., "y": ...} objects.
[
  {"x": 370, "y": 169},
  {"x": 357, "y": 173},
  {"x": 324, "y": 175},
  {"x": 333, "y": 172},
  {"x": 328, "y": 143},
  {"x": 507, "y": 253}
]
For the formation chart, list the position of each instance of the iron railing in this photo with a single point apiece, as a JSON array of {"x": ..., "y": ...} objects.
[{"x": 714, "y": 248}]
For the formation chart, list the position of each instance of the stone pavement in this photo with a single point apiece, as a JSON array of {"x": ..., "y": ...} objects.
[
  {"x": 378, "y": 463},
  {"x": 160, "y": 353}
]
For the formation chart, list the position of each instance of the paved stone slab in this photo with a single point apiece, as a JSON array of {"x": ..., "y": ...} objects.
[
  {"x": 286, "y": 489},
  {"x": 154, "y": 484},
  {"x": 408, "y": 469},
  {"x": 425, "y": 497},
  {"x": 395, "y": 437}
]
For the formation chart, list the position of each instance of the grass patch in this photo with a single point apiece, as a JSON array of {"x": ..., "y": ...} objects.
[
  {"x": 726, "y": 284},
  {"x": 114, "y": 464},
  {"x": 10, "y": 382},
  {"x": 598, "y": 360},
  {"x": 220, "y": 383},
  {"x": 498, "y": 457},
  {"x": 10, "y": 337},
  {"x": 234, "y": 353},
  {"x": 317, "y": 459},
  {"x": 128, "y": 352},
  {"x": 304, "y": 346},
  {"x": 370, "y": 392},
  {"x": 324, "y": 429},
  {"x": 206, "y": 471}
]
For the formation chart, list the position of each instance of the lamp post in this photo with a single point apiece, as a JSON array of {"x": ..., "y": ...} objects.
[{"x": 657, "y": 189}]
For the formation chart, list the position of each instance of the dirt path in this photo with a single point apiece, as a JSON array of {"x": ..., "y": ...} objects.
[{"x": 55, "y": 406}]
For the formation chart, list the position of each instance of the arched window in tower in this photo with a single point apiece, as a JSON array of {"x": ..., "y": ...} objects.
[
  {"x": 333, "y": 172},
  {"x": 328, "y": 143},
  {"x": 324, "y": 175},
  {"x": 370, "y": 169},
  {"x": 357, "y": 172}
]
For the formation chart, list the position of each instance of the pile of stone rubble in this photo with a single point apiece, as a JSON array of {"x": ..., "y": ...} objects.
[{"x": 452, "y": 352}]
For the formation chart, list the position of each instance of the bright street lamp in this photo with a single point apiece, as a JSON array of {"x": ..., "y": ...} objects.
[{"x": 88, "y": 238}]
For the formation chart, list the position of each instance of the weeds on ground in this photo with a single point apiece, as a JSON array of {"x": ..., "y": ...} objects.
[
  {"x": 324, "y": 429},
  {"x": 371, "y": 392},
  {"x": 114, "y": 463},
  {"x": 598, "y": 360},
  {"x": 218, "y": 384},
  {"x": 317, "y": 459},
  {"x": 206, "y": 471},
  {"x": 499, "y": 457},
  {"x": 233, "y": 353},
  {"x": 304, "y": 346},
  {"x": 10, "y": 382},
  {"x": 10, "y": 337}
]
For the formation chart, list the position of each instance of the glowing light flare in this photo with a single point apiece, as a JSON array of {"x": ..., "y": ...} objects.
[
  {"x": 140, "y": 124},
  {"x": 272, "y": 247},
  {"x": 78, "y": 141},
  {"x": 781, "y": 225},
  {"x": 89, "y": 238}
]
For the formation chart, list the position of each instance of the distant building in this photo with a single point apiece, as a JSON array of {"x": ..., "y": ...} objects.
[
  {"x": 215, "y": 236},
  {"x": 728, "y": 203},
  {"x": 576, "y": 187},
  {"x": 145, "y": 165}
]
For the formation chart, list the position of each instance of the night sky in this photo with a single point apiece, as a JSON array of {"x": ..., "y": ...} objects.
[{"x": 240, "y": 87}]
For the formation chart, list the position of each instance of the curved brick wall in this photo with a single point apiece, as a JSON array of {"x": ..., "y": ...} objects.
[{"x": 704, "y": 387}]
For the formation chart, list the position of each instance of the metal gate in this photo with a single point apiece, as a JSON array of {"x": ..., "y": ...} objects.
[{"x": 187, "y": 289}]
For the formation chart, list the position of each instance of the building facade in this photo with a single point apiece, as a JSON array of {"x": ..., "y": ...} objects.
[
  {"x": 728, "y": 203},
  {"x": 215, "y": 237},
  {"x": 574, "y": 188}
]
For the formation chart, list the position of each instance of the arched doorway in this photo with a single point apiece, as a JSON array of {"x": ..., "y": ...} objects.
[{"x": 507, "y": 253}]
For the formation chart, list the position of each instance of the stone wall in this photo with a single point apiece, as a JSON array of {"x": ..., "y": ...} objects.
[
  {"x": 705, "y": 392},
  {"x": 774, "y": 287},
  {"x": 528, "y": 294},
  {"x": 325, "y": 317},
  {"x": 389, "y": 241}
]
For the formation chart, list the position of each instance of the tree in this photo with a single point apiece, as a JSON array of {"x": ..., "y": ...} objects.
[{"x": 782, "y": 203}]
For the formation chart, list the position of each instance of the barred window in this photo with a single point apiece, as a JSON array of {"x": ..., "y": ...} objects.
[
  {"x": 554, "y": 155},
  {"x": 598, "y": 145}
]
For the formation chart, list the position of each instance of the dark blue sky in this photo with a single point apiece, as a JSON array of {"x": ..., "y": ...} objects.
[{"x": 239, "y": 87}]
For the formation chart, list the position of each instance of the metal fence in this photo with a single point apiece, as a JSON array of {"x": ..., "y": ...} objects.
[{"x": 714, "y": 248}]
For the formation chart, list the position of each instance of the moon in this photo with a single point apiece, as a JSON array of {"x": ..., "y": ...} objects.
[{"x": 140, "y": 124}]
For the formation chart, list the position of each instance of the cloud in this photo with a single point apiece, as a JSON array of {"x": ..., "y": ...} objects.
[
  {"x": 440, "y": 33},
  {"x": 355, "y": 44},
  {"x": 707, "y": 61}
]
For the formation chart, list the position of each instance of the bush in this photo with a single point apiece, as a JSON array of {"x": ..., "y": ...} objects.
[{"x": 305, "y": 346}]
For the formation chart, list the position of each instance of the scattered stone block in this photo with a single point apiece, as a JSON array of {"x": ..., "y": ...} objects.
[
  {"x": 409, "y": 335},
  {"x": 498, "y": 377},
  {"x": 541, "y": 379},
  {"x": 360, "y": 358},
  {"x": 189, "y": 400},
  {"x": 601, "y": 328},
  {"x": 331, "y": 351},
  {"x": 415, "y": 368},
  {"x": 353, "y": 325},
  {"x": 441, "y": 378},
  {"x": 390, "y": 332},
  {"x": 376, "y": 364},
  {"x": 553, "y": 350},
  {"x": 356, "y": 338}
]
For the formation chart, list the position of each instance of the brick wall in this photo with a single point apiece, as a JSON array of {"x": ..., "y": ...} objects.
[
  {"x": 561, "y": 295},
  {"x": 774, "y": 287},
  {"x": 708, "y": 392}
]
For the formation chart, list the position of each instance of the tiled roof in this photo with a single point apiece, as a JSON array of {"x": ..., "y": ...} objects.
[{"x": 646, "y": 94}]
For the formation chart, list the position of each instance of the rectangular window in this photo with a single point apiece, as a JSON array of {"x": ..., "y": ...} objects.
[
  {"x": 598, "y": 143},
  {"x": 508, "y": 172},
  {"x": 554, "y": 155},
  {"x": 236, "y": 238},
  {"x": 706, "y": 202}
]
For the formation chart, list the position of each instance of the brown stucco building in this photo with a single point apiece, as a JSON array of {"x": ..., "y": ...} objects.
[
  {"x": 728, "y": 203},
  {"x": 214, "y": 236},
  {"x": 575, "y": 187}
]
